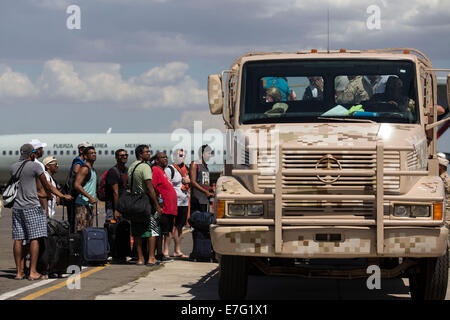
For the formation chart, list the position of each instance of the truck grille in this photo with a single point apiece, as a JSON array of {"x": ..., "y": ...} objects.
[{"x": 349, "y": 161}]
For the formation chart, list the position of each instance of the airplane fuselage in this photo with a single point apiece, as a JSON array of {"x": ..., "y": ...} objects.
[{"x": 64, "y": 148}]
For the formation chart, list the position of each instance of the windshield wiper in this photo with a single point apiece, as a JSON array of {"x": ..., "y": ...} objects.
[{"x": 346, "y": 119}]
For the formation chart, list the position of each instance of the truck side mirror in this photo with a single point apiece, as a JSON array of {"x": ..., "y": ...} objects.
[{"x": 215, "y": 94}]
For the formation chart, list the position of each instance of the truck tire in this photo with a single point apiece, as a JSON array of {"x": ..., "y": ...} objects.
[
  {"x": 431, "y": 282},
  {"x": 233, "y": 276}
]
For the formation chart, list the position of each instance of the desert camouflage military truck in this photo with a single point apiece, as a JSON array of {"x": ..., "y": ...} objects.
[{"x": 331, "y": 167}]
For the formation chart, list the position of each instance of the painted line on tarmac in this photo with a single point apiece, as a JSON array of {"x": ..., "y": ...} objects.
[
  {"x": 38, "y": 284},
  {"x": 62, "y": 284},
  {"x": 14, "y": 293}
]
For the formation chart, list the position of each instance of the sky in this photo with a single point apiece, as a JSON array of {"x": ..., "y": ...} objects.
[{"x": 142, "y": 65}]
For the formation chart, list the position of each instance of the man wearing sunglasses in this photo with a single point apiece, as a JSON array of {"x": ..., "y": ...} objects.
[{"x": 116, "y": 184}]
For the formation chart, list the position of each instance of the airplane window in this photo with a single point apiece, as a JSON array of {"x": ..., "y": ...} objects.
[
  {"x": 17, "y": 153},
  {"x": 165, "y": 151},
  {"x": 100, "y": 152},
  {"x": 74, "y": 152},
  {"x": 10, "y": 152},
  {"x": 112, "y": 152},
  {"x": 106, "y": 152},
  {"x": 192, "y": 152},
  {"x": 55, "y": 153},
  {"x": 4, "y": 153},
  {"x": 68, "y": 152},
  {"x": 48, "y": 152},
  {"x": 61, "y": 152},
  {"x": 131, "y": 152}
]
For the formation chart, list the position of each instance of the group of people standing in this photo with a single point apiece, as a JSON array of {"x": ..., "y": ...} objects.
[{"x": 173, "y": 191}]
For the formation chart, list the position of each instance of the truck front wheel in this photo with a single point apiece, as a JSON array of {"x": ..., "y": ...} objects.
[
  {"x": 430, "y": 283},
  {"x": 233, "y": 276}
]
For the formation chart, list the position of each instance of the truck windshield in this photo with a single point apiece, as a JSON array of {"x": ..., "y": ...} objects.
[{"x": 317, "y": 90}]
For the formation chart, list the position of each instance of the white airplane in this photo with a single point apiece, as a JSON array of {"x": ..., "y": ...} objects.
[{"x": 64, "y": 148}]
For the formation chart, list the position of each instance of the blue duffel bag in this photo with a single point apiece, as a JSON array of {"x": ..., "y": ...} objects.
[{"x": 201, "y": 220}]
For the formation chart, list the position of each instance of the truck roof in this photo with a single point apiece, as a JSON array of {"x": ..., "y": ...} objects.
[{"x": 389, "y": 54}]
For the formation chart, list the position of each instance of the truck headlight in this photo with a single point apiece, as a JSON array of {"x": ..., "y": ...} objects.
[
  {"x": 236, "y": 209},
  {"x": 255, "y": 209},
  {"x": 402, "y": 211},
  {"x": 420, "y": 211}
]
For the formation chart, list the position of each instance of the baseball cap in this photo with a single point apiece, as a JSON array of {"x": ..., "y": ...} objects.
[
  {"x": 84, "y": 144},
  {"x": 442, "y": 159},
  {"x": 36, "y": 143},
  {"x": 48, "y": 159},
  {"x": 25, "y": 151}
]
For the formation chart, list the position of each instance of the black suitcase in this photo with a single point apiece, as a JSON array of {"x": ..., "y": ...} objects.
[
  {"x": 95, "y": 245},
  {"x": 59, "y": 250},
  {"x": 202, "y": 249},
  {"x": 119, "y": 239}
]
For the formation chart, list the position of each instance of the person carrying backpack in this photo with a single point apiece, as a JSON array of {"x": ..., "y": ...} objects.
[
  {"x": 201, "y": 190},
  {"x": 68, "y": 187},
  {"x": 29, "y": 221},
  {"x": 179, "y": 176},
  {"x": 86, "y": 186},
  {"x": 115, "y": 184}
]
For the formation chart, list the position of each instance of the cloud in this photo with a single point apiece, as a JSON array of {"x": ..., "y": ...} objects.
[
  {"x": 205, "y": 119},
  {"x": 15, "y": 85},
  {"x": 166, "y": 86}
]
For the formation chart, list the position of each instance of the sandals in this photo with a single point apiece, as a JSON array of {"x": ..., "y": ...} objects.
[
  {"x": 41, "y": 277},
  {"x": 157, "y": 263},
  {"x": 19, "y": 278},
  {"x": 180, "y": 256}
]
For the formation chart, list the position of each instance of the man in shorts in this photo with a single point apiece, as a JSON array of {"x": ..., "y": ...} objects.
[
  {"x": 164, "y": 188},
  {"x": 179, "y": 176},
  {"x": 28, "y": 218},
  {"x": 140, "y": 181}
]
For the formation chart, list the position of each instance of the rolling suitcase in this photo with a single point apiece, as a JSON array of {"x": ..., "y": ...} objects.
[
  {"x": 95, "y": 245},
  {"x": 119, "y": 238},
  {"x": 59, "y": 250},
  {"x": 202, "y": 249}
]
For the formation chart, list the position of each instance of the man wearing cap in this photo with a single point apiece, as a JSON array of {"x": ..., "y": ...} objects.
[
  {"x": 28, "y": 218},
  {"x": 51, "y": 167},
  {"x": 443, "y": 163},
  {"x": 42, "y": 194},
  {"x": 79, "y": 160},
  {"x": 77, "y": 163}
]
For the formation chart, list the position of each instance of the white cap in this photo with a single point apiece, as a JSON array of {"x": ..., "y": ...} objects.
[
  {"x": 442, "y": 159},
  {"x": 84, "y": 144},
  {"x": 36, "y": 143}
]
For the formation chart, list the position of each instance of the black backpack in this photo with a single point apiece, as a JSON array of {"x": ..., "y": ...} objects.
[{"x": 69, "y": 186}]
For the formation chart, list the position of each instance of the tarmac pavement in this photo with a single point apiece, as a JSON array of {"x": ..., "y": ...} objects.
[{"x": 177, "y": 280}]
